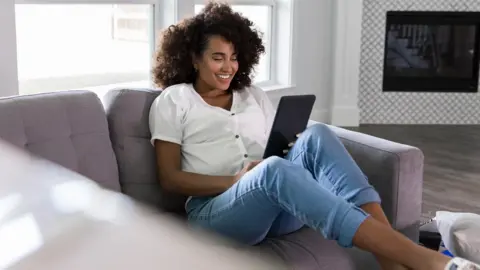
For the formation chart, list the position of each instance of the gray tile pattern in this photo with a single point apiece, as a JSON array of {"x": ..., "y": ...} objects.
[{"x": 377, "y": 107}]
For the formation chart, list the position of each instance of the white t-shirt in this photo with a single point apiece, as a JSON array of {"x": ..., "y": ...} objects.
[{"x": 213, "y": 141}]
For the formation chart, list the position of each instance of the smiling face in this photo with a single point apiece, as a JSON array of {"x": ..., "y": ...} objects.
[{"x": 216, "y": 66}]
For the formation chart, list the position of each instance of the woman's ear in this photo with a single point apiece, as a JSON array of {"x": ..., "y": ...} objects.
[{"x": 194, "y": 61}]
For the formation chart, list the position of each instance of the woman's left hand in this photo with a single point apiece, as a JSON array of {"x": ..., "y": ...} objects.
[{"x": 290, "y": 145}]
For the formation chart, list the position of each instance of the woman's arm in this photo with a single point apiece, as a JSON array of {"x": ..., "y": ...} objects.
[{"x": 173, "y": 179}]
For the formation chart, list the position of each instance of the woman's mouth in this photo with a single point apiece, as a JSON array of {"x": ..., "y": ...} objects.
[{"x": 224, "y": 76}]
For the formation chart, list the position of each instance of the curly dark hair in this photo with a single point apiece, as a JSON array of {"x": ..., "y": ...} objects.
[{"x": 178, "y": 43}]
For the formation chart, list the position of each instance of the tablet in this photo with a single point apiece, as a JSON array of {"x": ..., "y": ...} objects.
[{"x": 292, "y": 117}]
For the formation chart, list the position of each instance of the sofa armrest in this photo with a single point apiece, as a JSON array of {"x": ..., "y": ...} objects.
[{"x": 395, "y": 170}]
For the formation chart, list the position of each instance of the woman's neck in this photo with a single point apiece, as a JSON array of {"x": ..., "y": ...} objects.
[{"x": 205, "y": 90}]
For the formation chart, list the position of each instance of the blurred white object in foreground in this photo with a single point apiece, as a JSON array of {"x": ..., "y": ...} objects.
[
  {"x": 51, "y": 218},
  {"x": 460, "y": 233}
]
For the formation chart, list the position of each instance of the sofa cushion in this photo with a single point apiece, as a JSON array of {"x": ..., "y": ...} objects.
[
  {"x": 68, "y": 128},
  {"x": 307, "y": 249},
  {"x": 127, "y": 113}
]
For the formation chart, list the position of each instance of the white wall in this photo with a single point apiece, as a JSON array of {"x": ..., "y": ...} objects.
[
  {"x": 312, "y": 55},
  {"x": 8, "y": 60}
]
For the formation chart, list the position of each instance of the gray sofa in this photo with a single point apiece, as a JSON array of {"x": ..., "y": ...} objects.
[{"x": 109, "y": 143}]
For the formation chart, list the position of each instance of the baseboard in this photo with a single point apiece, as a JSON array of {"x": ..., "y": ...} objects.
[{"x": 346, "y": 116}]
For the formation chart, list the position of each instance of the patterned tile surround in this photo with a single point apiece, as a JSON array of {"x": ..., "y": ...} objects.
[{"x": 377, "y": 107}]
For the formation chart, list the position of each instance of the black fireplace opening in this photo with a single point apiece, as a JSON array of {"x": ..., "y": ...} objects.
[{"x": 432, "y": 51}]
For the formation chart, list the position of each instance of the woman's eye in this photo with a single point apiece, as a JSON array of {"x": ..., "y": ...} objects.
[
  {"x": 234, "y": 59},
  {"x": 217, "y": 59}
]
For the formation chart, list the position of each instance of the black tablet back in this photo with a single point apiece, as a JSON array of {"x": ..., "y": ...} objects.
[{"x": 291, "y": 119}]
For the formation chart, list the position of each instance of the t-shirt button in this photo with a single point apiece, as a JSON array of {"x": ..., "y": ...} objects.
[
  {"x": 245, "y": 155},
  {"x": 232, "y": 114},
  {"x": 236, "y": 136}
]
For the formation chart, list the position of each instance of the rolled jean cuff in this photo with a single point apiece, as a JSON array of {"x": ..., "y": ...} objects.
[
  {"x": 352, "y": 220},
  {"x": 366, "y": 195}
]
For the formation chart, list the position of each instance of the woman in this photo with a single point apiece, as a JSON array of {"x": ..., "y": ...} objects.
[{"x": 210, "y": 126}]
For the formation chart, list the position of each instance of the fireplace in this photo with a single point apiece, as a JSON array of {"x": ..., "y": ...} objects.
[{"x": 431, "y": 52}]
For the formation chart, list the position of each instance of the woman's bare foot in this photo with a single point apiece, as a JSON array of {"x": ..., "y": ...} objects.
[{"x": 388, "y": 245}]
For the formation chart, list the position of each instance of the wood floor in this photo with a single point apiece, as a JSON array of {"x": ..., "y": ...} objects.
[{"x": 452, "y": 163}]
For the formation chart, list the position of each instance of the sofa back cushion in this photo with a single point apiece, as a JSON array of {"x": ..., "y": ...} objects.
[
  {"x": 127, "y": 113},
  {"x": 68, "y": 128}
]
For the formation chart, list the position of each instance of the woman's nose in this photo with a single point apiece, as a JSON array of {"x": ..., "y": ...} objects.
[{"x": 227, "y": 66}]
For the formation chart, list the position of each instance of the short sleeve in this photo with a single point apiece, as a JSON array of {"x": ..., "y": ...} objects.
[{"x": 165, "y": 119}]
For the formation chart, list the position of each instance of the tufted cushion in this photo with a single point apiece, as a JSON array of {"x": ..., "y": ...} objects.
[
  {"x": 68, "y": 128},
  {"x": 127, "y": 114}
]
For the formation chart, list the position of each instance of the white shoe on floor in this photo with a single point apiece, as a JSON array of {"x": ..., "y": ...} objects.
[{"x": 461, "y": 264}]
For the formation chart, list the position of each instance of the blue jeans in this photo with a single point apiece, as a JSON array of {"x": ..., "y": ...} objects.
[{"x": 318, "y": 184}]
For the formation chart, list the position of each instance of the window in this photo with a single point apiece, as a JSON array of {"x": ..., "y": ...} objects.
[
  {"x": 55, "y": 45},
  {"x": 85, "y": 46},
  {"x": 261, "y": 16},
  {"x": 130, "y": 23}
]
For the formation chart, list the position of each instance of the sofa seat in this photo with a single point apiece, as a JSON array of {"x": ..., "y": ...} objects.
[{"x": 307, "y": 249}]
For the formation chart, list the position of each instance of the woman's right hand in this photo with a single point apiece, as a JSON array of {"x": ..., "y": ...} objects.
[{"x": 245, "y": 169}]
